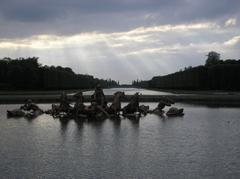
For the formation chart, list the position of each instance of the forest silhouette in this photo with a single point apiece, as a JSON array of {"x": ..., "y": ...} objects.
[
  {"x": 216, "y": 74},
  {"x": 28, "y": 74}
]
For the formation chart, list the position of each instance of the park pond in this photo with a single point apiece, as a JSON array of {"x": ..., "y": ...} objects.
[
  {"x": 204, "y": 143},
  {"x": 129, "y": 91}
]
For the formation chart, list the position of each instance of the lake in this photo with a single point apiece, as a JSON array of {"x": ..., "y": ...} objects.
[
  {"x": 205, "y": 143},
  {"x": 129, "y": 91}
]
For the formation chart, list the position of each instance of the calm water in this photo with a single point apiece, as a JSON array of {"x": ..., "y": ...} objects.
[
  {"x": 205, "y": 143},
  {"x": 129, "y": 91}
]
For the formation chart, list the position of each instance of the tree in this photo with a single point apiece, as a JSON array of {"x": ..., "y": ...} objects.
[
  {"x": 213, "y": 58},
  {"x": 27, "y": 73}
]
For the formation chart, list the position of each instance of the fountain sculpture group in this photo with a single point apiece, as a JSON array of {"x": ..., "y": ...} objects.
[{"x": 98, "y": 108}]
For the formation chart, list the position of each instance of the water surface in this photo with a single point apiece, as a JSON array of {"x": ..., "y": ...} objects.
[
  {"x": 202, "y": 144},
  {"x": 129, "y": 91}
]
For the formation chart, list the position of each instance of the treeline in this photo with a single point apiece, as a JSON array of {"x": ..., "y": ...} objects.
[
  {"x": 141, "y": 84},
  {"x": 28, "y": 74},
  {"x": 216, "y": 74}
]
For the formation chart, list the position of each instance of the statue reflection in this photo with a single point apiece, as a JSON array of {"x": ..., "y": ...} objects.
[
  {"x": 117, "y": 122},
  {"x": 79, "y": 123},
  {"x": 134, "y": 121},
  {"x": 64, "y": 123}
]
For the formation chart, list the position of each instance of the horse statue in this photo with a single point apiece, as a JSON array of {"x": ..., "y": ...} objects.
[
  {"x": 29, "y": 110},
  {"x": 173, "y": 112},
  {"x": 115, "y": 107},
  {"x": 79, "y": 107},
  {"x": 62, "y": 109},
  {"x": 133, "y": 106},
  {"x": 99, "y": 97}
]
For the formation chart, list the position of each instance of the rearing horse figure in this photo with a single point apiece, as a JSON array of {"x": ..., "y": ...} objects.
[
  {"x": 116, "y": 104},
  {"x": 133, "y": 105}
]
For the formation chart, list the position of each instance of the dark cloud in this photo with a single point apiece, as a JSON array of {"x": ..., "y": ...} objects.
[
  {"x": 29, "y": 17},
  {"x": 31, "y": 10},
  {"x": 208, "y": 10}
]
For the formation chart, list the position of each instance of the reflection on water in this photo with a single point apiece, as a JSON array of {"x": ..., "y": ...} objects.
[
  {"x": 202, "y": 144},
  {"x": 129, "y": 91}
]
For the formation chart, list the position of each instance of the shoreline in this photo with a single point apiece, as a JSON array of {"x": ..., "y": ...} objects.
[
  {"x": 196, "y": 92},
  {"x": 209, "y": 99},
  {"x": 41, "y": 92}
]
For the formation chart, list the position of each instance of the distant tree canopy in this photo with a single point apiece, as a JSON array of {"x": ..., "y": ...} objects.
[
  {"x": 213, "y": 58},
  {"x": 216, "y": 74},
  {"x": 142, "y": 84},
  {"x": 27, "y": 73}
]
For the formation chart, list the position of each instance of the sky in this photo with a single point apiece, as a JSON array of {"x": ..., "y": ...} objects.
[{"x": 123, "y": 40}]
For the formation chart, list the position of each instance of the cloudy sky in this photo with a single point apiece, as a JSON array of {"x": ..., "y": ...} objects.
[{"x": 120, "y": 39}]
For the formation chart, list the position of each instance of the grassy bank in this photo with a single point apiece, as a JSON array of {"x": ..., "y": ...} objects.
[
  {"x": 196, "y": 92},
  {"x": 35, "y": 92},
  {"x": 216, "y": 99}
]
